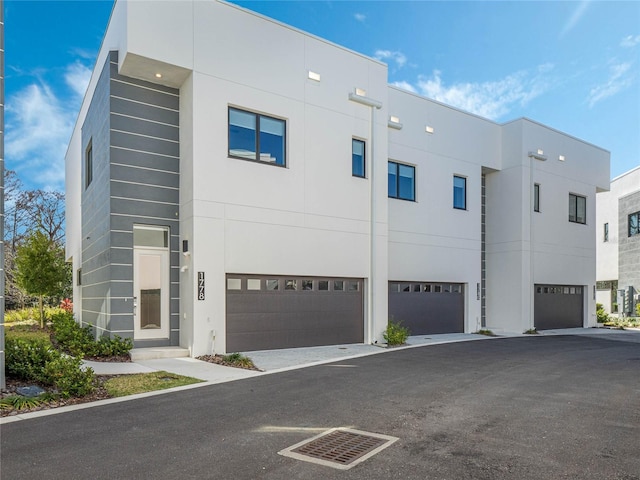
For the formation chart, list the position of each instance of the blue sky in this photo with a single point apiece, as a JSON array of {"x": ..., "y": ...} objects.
[{"x": 574, "y": 66}]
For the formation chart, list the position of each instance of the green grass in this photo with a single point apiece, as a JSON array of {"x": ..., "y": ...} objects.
[
  {"x": 486, "y": 332},
  {"x": 531, "y": 331},
  {"x": 26, "y": 332},
  {"x": 239, "y": 361},
  {"x": 124, "y": 385}
]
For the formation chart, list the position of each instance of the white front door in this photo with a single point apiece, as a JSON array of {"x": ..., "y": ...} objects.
[{"x": 151, "y": 293}]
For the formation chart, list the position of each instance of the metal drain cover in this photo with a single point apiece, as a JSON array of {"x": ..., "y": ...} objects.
[{"x": 341, "y": 448}]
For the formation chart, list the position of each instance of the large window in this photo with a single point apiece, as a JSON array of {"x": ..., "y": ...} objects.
[
  {"x": 577, "y": 208},
  {"x": 536, "y": 197},
  {"x": 402, "y": 181},
  {"x": 459, "y": 192},
  {"x": 634, "y": 224},
  {"x": 357, "y": 158},
  {"x": 88, "y": 164},
  {"x": 256, "y": 137}
]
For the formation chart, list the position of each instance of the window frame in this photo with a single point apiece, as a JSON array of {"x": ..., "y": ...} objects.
[
  {"x": 257, "y": 116},
  {"x": 88, "y": 164},
  {"x": 364, "y": 157},
  {"x": 397, "y": 186},
  {"x": 464, "y": 192},
  {"x": 573, "y": 208},
  {"x": 536, "y": 197},
  {"x": 635, "y": 231}
]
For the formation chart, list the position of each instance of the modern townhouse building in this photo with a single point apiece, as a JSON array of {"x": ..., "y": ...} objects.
[
  {"x": 618, "y": 244},
  {"x": 235, "y": 184}
]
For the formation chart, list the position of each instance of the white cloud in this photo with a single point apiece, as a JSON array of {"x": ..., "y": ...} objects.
[
  {"x": 492, "y": 99},
  {"x": 405, "y": 86},
  {"x": 620, "y": 77},
  {"x": 77, "y": 77},
  {"x": 360, "y": 17},
  {"x": 630, "y": 41},
  {"x": 388, "y": 56},
  {"x": 575, "y": 17},
  {"x": 38, "y": 126}
]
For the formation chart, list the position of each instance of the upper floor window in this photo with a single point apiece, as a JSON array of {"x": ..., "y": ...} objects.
[
  {"x": 459, "y": 192},
  {"x": 256, "y": 137},
  {"x": 577, "y": 208},
  {"x": 402, "y": 181},
  {"x": 88, "y": 164},
  {"x": 634, "y": 224},
  {"x": 606, "y": 232},
  {"x": 536, "y": 197},
  {"x": 357, "y": 158}
]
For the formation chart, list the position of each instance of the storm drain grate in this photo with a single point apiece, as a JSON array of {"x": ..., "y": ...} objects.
[{"x": 341, "y": 448}]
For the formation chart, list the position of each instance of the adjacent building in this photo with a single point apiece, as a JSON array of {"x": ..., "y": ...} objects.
[
  {"x": 235, "y": 184},
  {"x": 618, "y": 244}
]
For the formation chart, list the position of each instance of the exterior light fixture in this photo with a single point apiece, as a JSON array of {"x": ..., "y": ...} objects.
[
  {"x": 158, "y": 75},
  {"x": 314, "y": 76},
  {"x": 429, "y": 129},
  {"x": 361, "y": 92},
  {"x": 561, "y": 158},
  {"x": 394, "y": 122},
  {"x": 538, "y": 155}
]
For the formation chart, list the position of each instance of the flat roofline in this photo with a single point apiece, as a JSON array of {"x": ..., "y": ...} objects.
[{"x": 633, "y": 170}]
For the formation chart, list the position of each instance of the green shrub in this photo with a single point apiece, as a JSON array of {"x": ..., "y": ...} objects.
[
  {"x": 238, "y": 360},
  {"x": 18, "y": 402},
  {"x": 531, "y": 331},
  {"x": 638, "y": 309},
  {"x": 26, "y": 359},
  {"x": 69, "y": 377},
  {"x": 79, "y": 341},
  {"x": 601, "y": 315},
  {"x": 29, "y": 315},
  {"x": 395, "y": 334}
]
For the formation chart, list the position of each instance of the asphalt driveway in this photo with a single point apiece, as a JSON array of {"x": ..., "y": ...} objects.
[{"x": 518, "y": 408}]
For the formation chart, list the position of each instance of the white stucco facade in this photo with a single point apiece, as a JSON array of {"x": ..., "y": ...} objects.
[{"x": 313, "y": 218}]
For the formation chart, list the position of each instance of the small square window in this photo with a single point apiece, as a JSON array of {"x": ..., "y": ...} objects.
[
  {"x": 272, "y": 284},
  {"x": 459, "y": 192},
  {"x": 352, "y": 286},
  {"x": 426, "y": 288},
  {"x": 456, "y": 289},
  {"x": 234, "y": 284},
  {"x": 401, "y": 181},
  {"x": 307, "y": 285},
  {"x": 323, "y": 285},
  {"x": 338, "y": 285},
  {"x": 290, "y": 284},
  {"x": 417, "y": 287},
  {"x": 357, "y": 158},
  {"x": 256, "y": 137},
  {"x": 406, "y": 287},
  {"x": 437, "y": 288},
  {"x": 577, "y": 209},
  {"x": 253, "y": 284}
]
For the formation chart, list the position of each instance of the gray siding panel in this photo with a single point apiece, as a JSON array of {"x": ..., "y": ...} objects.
[
  {"x": 140, "y": 110},
  {"x": 145, "y": 144},
  {"x": 128, "y": 89},
  {"x": 145, "y": 176},
  {"x": 144, "y": 160},
  {"x": 148, "y": 193},
  {"x": 144, "y": 127},
  {"x": 628, "y": 247}
]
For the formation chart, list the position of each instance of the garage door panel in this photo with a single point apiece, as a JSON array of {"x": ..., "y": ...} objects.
[
  {"x": 263, "y": 319},
  {"x": 558, "y": 306},
  {"x": 427, "y": 312}
]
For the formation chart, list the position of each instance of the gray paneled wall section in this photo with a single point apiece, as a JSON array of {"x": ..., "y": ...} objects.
[
  {"x": 144, "y": 186},
  {"x": 96, "y": 263},
  {"x": 628, "y": 247},
  {"x": 133, "y": 127}
]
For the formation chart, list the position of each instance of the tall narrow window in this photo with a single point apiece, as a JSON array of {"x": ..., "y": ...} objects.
[
  {"x": 402, "y": 181},
  {"x": 357, "y": 158},
  {"x": 256, "y": 137},
  {"x": 634, "y": 224},
  {"x": 577, "y": 209},
  {"x": 459, "y": 192},
  {"x": 88, "y": 164},
  {"x": 606, "y": 232},
  {"x": 536, "y": 197}
]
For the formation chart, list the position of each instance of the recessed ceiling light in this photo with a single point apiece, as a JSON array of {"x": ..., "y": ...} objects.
[
  {"x": 314, "y": 76},
  {"x": 158, "y": 75},
  {"x": 429, "y": 129}
]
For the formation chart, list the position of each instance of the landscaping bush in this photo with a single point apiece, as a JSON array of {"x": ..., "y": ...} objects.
[
  {"x": 395, "y": 334},
  {"x": 29, "y": 315},
  {"x": 79, "y": 341},
  {"x": 69, "y": 377},
  {"x": 26, "y": 359},
  {"x": 601, "y": 315}
]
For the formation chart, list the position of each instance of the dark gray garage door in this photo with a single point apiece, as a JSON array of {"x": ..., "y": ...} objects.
[
  {"x": 558, "y": 306},
  {"x": 427, "y": 308},
  {"x": 270, "y": 312}
]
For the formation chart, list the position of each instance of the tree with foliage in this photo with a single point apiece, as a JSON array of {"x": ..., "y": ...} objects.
[{"x": 41, "y": 269}]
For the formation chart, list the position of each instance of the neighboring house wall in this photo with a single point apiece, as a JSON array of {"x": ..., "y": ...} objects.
[
  {"x": 629, "y": 248},
  {"x": 613, "y": 209}
]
